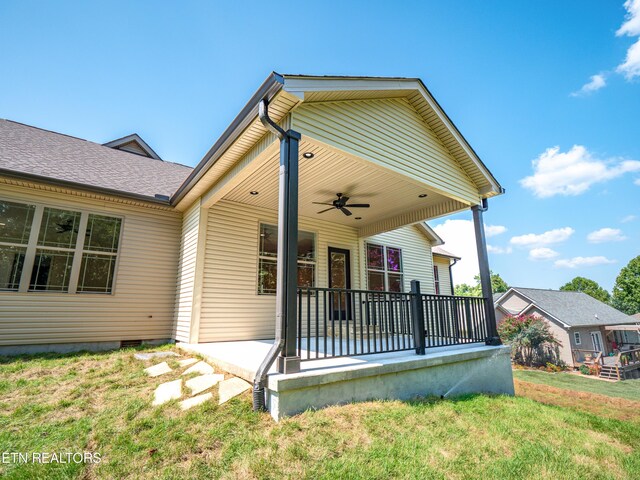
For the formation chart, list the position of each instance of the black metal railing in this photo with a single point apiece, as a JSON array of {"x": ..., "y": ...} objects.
[{"x": 336, "y": 322}]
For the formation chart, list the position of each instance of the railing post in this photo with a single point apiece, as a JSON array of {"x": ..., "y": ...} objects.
[{"x": 417, "y": 316}]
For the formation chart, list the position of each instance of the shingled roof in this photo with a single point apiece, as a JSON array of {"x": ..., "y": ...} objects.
[
  {"x": 575, "y": 309},
  {"x": 41, "y": 154}
]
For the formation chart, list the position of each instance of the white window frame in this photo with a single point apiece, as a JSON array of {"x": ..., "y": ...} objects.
[
  {"x": 313, "y": 262},
  {"x": 78, "y": 250},
  {"x": 385, "y": 271},
  {"x": 436, "y": 279},
  {"x": 577, "y": 338}
]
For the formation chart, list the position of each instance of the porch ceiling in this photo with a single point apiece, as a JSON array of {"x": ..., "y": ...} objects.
[{"x": 394, "y": 199}]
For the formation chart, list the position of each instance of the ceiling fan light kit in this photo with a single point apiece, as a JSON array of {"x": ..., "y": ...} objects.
[{"x": 341, "y": 204}]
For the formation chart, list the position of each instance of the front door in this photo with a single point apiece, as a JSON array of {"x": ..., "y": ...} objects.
[
  {"x": 596, "y": 338},
  {"x": 340, "y": 277}
]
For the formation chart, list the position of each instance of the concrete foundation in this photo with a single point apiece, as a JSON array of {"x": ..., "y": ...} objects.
[
  {"x": 12, "y": 350},
  {"x": 450, "y": 371},
  {"x": 406, "y": 376}
]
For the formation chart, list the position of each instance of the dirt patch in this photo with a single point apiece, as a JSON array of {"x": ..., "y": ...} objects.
[{"x": 602, "y": 405}]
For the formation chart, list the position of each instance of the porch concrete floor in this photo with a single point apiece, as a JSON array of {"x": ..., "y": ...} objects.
[{"x": 242, "y": 358}]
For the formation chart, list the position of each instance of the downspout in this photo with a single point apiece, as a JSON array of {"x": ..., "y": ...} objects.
[
  {"x": 260, "y": 379},
  {"x": 455, "y": 260}
]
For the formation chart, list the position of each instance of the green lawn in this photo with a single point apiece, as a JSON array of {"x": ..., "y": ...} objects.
[
  {"x": 101, "y": 403},
  {"x": 628, "y": 389}
]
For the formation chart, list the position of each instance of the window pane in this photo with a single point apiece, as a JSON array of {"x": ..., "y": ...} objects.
[
  {"x": 267, "y": 276},
  {"x": 268, "y": 240},
  {"x": 11, "y": 262},
  {"x": 395, "y": 282},
  {"x": 59, "y": 228},
  {"x": 306, "y": 274},
  {"x": 103, "y": 233},
  {"x": 15, "y": 222},
  {"x": 375, "y": 281},
  {"x": 375, "y": 257},
  {"x": 306, "y": 246},
  {"x": 51, "y": 270},
  {"x": 394, "y": 260},
  {"x": 96, "y": 273}
]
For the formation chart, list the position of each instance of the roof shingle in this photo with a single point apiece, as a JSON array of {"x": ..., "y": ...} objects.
[{"x": 33, "y": 151}]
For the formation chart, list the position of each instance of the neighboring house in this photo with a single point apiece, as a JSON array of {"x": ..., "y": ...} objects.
[
  {"x": 109, "y": 244},
  {"x": 582, "y": 324}
]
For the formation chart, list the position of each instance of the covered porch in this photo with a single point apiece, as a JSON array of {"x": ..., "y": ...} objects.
[{"x": 315, "y": 237}]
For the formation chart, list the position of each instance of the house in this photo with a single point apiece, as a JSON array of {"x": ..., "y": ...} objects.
[
  {"x": 299, "y": 238},
  {"x": 584, "y": 326},
  {"x": 443, "y": 263}
]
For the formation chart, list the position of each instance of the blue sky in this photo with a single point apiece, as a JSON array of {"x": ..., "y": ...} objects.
[{"x": 177, "y": 73}]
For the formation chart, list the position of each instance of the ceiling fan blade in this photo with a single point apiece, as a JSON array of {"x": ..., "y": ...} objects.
[
  {"x": 321, "y": 203},
  {"x": 322, "y": 211},
  {"x": 345, "y": 211},
  {"x": 358, "y": 205}
]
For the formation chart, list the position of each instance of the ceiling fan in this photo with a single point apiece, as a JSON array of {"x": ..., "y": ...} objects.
[{"x": 341, "y": 204}]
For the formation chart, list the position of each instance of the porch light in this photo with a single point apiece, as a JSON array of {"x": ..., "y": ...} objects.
[
  {"x": 422, "y": 195},
  {"x": 308, "y": 155},
  {"x": 253, "y": 192}
]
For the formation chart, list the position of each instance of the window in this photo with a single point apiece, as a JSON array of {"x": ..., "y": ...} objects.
[
  {"x": 384, "y": 268},
  {"x": 576, "y": 337},
  {"x": 267, "y": 259},
  {"x": 436, "y": 279},
  {"x": 15, "y": 230},
  {"x": 56, "y": 250}
]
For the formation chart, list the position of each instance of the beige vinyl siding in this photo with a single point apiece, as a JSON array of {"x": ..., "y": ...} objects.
[
  {"x": 392, "y": 134},
  {"x": 514, "y": 303},
  {"x": 416, "y": 256},
  {"x": 443, "y": 274},
  {"x": 231, "y": 308},
  {"x": 186, "y": 272},
  {"x": 142, "y": 304}
]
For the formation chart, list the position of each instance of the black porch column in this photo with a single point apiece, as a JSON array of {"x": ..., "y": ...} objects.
[
  {"x": 485, "y": 273},
  {"x": 287, "y": 268}
]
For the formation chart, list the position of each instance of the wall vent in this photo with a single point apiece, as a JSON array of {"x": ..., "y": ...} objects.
[{"x": 130, "y": 343}]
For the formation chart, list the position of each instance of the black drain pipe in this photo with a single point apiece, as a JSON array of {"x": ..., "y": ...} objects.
[{"x": 259, "y": 381}]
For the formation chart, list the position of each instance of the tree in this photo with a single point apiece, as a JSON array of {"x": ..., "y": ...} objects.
[
  {"x": 588, "y": 286},
  {"x": 626, "y": 291},
  {"x": 532, "y": 342},
  {"x": 498, "y": 285}
]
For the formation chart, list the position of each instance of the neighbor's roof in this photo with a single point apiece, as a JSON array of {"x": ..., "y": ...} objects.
[
  {"x": 41, "y": 155},
  {"x": 443, "y": 253},
  {"x": 574, "y": 308}
]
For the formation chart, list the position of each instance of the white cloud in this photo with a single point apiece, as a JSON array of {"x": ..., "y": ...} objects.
[
  {"x": 605, "y": 235},
  {"x": 459, "y": 238},
  {"x": 576, "y": 262},
  {"x": 499, "y": 250},
  {"x": 628, "y": 218},
  {"x": 572, "y": 172},
  {"x": 542, "y": 253},
  {"x": 549, "y": 237},
  {"x": 637, "y": 181},
  {"x": 630, "y": 68},
  {"x": 493, "y": 230},
  {"x": 595, "y": 83}
]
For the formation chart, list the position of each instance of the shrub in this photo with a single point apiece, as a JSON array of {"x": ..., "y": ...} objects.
[
  {"x": 585, "y": 370},
  {"x": 531, "y": 340}
]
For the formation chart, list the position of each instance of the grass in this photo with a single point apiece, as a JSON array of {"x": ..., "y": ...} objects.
[
  {"x": 101, "y": 403},
  {"x": 628, "y": 389}
]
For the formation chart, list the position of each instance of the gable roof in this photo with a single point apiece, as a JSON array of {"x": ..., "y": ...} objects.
[
  {"x": 41, "y": 155},
  {"x": 443, "y": 253},
  {"x": 133, "y": 144},
  {"x": 285, "y": 92},
  {"x": 574, "y": 309}
]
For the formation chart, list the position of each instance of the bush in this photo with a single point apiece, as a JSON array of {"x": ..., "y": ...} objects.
[
  {"x": 532, "y": 343},
  {"x": 585, "y": 370}
]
